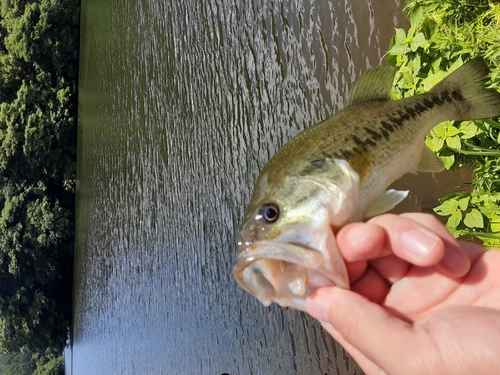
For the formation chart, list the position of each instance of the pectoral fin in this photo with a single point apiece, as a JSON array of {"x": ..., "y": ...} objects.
[
  {"x": 429, "y": 162},
  {"x": 386, "y": 201}
]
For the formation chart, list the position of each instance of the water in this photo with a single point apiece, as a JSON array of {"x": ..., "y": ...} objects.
[{"x": 181, "y": 104}]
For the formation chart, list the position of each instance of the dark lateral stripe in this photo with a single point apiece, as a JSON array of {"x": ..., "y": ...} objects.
[
  {"x": 373, "y": 134},
  {"x": 393, "y": 121},
  {"x": 388, "y": 126},
  {"x": 362, "y": 142},
  {"x": 457, "y": 95},
  {"x": 344, "y": 154},
  {"x": 347, "y": 154},
  {"x": 385, "y": 133},
  {"x": 411, "y": 112},
  {"x": 356, "y": 139}
]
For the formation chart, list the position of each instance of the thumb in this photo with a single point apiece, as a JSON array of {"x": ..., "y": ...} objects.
[{"x": 364, "y": 325}]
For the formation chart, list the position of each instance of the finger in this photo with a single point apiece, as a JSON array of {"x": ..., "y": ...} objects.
[
  {"x": 410, "y": 240},
  {"x": 371, "y": 286},
  {"x": 423, "y": 240},
  {"x": 455, "y": 262},
  {"x": 361, "y": 242},
  {"x": 391, "y": 268},
  {"x": 402, "y": 235},
  {"x": 376, "y": 334},
  {"x": 358, "y": 243},
  {"x": 367, "y": 365},
  {"x": 379, "y": 239}
]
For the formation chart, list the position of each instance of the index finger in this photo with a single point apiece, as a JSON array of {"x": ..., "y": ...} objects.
[{"x": 415, "y": 238}]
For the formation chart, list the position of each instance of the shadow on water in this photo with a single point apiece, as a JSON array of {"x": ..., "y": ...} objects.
[{"x": 181, "y": 103}]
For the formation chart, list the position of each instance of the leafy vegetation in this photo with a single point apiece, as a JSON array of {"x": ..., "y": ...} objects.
[
  {"x": 27, "y": 363},
  {"x": 16, "y": 364},
  {"x": 443, "y": 35},
  {"x": 38, "y": 78}
]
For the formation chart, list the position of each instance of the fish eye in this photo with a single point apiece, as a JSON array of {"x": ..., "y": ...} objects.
[{"x": 270, "y": 212}]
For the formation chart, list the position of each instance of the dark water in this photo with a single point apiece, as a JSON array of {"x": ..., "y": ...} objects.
[{"x": 181, "y": 104}]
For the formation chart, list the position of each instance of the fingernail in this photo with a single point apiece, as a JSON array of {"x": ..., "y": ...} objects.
[
  {"x": 317, "y": 305},
  {"x": 419, "y": 243},
  {"x": 455, "y": 261}
]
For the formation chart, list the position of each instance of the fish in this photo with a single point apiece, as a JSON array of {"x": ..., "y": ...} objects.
[{"x": 337, "y": 172}]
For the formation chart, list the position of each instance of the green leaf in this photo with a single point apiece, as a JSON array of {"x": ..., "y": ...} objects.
[
  {"x": 448, "y": 207},
  {"x": 401, "y": 59},
  {"x": 435, "y": 65},
  {"x": 464, "y": 203},
  {"x": 454, "y": 220},
  {"x": 418, "y": 41},
  {"x": 432, "y": 80},
  {"x": 416, "y": 16},
  {"x": 409, "y": 80},
  {"x": 468, "y": 129},
  {"x": 434, "y": 143},
  {"x": 474, "y": 219},
  {"x": 451, "y": 130},
  {"x": 400, "y": 37},
  {"x": 493, "y": 123},
  {"x": 458, "y": 232},
  {"x": 448, "y": 159},
  {"x": 398, "y": 49},
  {"x": 415, "y": 64},
  {"x": 429, "y": 27},
  {"x": 495, "y": 225},
  {"x": 391, "y": 58},
  {"x": 457, "y": 64},
  {"x": 454, "y": 142},
  {"x": 441, "y": 129}
]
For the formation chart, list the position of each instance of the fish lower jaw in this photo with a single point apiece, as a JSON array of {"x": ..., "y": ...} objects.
[{"x": 281, "y": 282}]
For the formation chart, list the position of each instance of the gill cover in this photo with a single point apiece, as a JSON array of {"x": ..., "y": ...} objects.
[{"x": 341, "y": 182}]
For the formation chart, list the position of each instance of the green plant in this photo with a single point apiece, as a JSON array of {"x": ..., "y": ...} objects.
[{"x": 443, "y": 35}]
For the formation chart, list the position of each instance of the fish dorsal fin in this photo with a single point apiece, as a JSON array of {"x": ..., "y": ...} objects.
[
  {"x": 375, "y": 84},
  {"x": 386, "y": 201},
  {"x": 429, "y": 162}
]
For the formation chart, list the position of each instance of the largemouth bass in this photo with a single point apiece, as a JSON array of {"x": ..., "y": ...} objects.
[{"x": 337, "y": 172}]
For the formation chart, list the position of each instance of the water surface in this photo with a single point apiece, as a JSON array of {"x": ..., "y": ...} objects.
[{"x": 181, "y": 104}]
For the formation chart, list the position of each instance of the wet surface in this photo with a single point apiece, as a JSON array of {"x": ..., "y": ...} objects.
[{"x": 181, "y": 104}]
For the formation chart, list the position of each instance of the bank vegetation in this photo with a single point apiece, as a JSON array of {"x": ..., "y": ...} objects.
[
  {"x": 443, "y": 35},
  {"x": 38, "y": 78}
]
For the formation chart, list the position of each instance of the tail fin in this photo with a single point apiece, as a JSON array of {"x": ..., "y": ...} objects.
[{"x": 468, "y": 88}]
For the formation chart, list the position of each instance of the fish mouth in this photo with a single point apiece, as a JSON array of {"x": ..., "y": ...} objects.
[{"x": 284, "y": 273}]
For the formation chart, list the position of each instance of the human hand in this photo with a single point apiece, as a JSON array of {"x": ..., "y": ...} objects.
[{"x": 417, "y": 305}]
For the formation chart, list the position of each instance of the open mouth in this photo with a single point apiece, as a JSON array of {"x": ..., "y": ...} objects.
[{"x": 281, "y": 272}]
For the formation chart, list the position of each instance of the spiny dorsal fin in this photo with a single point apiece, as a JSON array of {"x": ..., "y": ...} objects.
[
  {"x": 374, "y": 84},
  {"x": 387, "y": 201},
  {"x": 429, "y": 162}
]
